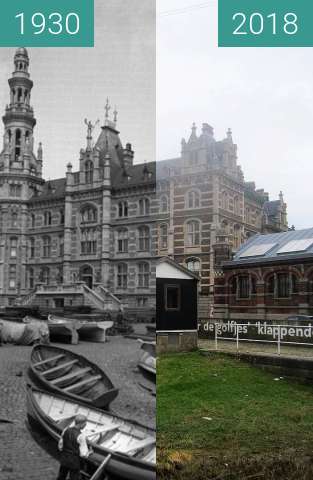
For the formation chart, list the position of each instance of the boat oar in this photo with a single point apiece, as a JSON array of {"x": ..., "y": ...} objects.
[{"x": 100, "y": 470}]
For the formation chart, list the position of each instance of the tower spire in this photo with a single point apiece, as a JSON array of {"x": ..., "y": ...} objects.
[
  {"x": 19, "y": 120},
  {"x": 107, "y": 109}
]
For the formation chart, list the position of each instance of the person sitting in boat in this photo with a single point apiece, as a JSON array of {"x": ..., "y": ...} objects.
[{"x": 73, "y": 447}]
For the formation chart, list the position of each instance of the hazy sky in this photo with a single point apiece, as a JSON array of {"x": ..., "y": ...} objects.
[
  {"x": 264, "y": 95},
  {"x": 72, "y": 84}
]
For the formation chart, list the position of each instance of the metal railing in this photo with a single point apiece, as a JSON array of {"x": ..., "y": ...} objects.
[{"x": 278, "y": 329}]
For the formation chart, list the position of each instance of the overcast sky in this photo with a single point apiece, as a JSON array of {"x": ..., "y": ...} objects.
[
  {"x": 72, "y": 84},
  {"x": 265, "y": 96}
]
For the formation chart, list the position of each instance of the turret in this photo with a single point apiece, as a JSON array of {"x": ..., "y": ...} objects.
[{"x": 19, "y": 120}]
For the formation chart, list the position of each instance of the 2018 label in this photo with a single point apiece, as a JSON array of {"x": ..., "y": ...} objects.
[{"x": 255, "y": 23}]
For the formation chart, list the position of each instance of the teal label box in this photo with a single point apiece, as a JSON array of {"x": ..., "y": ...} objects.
[
  {"x": 47, "y": 23},
  {"x": 265, "y": 23}
]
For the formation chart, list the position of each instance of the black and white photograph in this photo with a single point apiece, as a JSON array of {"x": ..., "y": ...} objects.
[{"x": 77, "y": 254}]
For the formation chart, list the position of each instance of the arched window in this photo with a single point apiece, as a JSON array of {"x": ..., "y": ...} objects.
[
  {"x": 88, "y": 241},
  {"x": 192, "y": 233},
  {"x": 224, "y": 201},
  {"x": 46, "y": 247},
  {"x": 237, "y": 236},
  {"x": 45, "y": 275},
  {"x": 62, "y": 218},
  {"x": 19, "y": 94},
  {"x": 47, "y": 218},
  {"x": 59, "y": 275},
  {"x": 270, "y": 285},
  {"x": 122, "y": 240},
  {"x": 192, "y": 199},
  {"x": 89, "y": 171},
  {"x": 193, "y": 264},
  {"x": 282, "y": 284},
  {"x": 61, "y": 245},
  {"x": 31, "y": 278},
  {"x": 32, "y": 220},
  {"x": 13, "y": 247},
  {"x": 123, "y": 209},
  {"x": 248, "y": 215},
  {"x": 12, "y": 276},
  {"x": 144, "y": 206},
  {"x": 122, "y": 275},
  {"x": 164, "y": 204},
  {"x": 14, "y": 220},
  {"x": 237, "y": 206},
  {"x": 32, "y": 248},
  {"x": 144, "y": 238},
  {"x": 143, "y": 275},
  {"x": 89, "y": 214},
  {"x": 243, "y": 286},
  {"x": 163, "y": 236}
]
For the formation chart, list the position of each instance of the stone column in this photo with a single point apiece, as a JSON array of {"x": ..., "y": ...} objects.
[
  {"x": 67, "y": 227},
  {"x": 106, "y": 222}
]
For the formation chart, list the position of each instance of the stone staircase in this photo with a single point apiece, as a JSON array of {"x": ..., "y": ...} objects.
[{"x": 99, "y": 298}]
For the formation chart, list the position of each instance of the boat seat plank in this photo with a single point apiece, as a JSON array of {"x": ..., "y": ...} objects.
[
  {"x": 59, "y": 367},
  {"x": 82, "y": 383},
  {"x": 71, "y": 375},
  {"x": 43, "y": 362},
  {"x": 139, "y": 445}
]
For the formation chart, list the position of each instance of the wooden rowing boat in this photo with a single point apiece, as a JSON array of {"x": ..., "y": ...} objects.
[
  {"x": 130, "y": 444},
  {"x": 147, "y": 360},
  {"x": 72, "y": 375}
]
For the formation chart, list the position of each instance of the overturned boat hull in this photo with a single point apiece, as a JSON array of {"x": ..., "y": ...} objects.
[
  {"x": 147, "y": 360},
  {"x": 62, "y": 330}
]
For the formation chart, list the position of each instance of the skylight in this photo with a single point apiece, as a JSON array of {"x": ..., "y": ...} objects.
[
  {"x": 296, "y": 246},
  {"x": 257, "y": 250}
]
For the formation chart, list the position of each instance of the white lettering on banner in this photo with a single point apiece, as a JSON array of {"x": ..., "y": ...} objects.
[{"x": 259, "y": 328}]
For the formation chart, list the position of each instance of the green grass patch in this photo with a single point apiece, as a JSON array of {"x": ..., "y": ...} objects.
[{"x": 220, "y": 408}]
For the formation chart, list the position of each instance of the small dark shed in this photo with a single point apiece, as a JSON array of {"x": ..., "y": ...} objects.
[{"x": 176, "y": 312}]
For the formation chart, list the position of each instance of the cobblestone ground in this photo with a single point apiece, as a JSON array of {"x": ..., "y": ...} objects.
[{"x": 20, "y": 456}]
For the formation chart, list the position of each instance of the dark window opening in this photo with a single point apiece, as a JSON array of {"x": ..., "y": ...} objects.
[{"x": 172, "y": 297}]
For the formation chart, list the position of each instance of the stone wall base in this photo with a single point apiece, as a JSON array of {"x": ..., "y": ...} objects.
[{"x": 177, "y": 342}]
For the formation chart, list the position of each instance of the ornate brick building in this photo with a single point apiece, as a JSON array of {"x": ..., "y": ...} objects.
[
  {"x": 88, "y": 238},
  {"x": 269, "y": 278},
  {"x": 205, "y": 206}
]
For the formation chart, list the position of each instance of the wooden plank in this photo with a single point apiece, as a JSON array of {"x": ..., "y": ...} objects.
[
  {"x": 37, "y": 364},
  {"x": 82, "y": 383},
  {"x": 59, "y": 367},
  {"x": 78, "y": 372},
  {"x": 98, "y": 473},
  {"x": 141, "y": 444}
]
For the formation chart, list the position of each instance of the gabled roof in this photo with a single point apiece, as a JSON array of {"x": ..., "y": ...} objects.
[
  {"x": 52, "y": 189},
  {"x": 138, "y": 174},
  {"x": 275, "y": 247},
  {"x": 179, "y": 268},
  {"x": 271, "y": 208}
]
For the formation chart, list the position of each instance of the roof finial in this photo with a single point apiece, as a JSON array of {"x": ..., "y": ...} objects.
[
  {"x": 90, "y": 129},
  {"x": 107, "y": 108},
  {"x": 115, "y": 113}
]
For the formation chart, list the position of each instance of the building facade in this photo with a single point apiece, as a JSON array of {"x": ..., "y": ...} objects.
[
  {"x": 80, "y": 239},
  {"x": 269, "y": 279},
  {"x": 206, "y": 205}
]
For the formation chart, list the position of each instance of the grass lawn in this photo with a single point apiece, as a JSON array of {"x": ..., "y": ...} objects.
[{"x": 221, "y": 418}]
